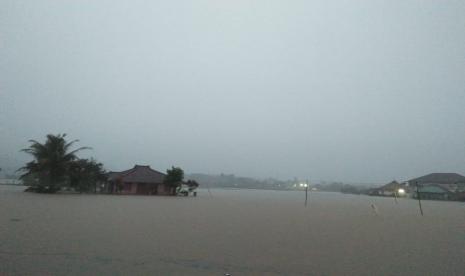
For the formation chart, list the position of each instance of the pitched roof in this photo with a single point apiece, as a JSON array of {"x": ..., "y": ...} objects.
[
  {"x": 439, "y": 178},
  {"x": 113, "y": 175},
  {"x": 140, "y": 174},
  {"x": 392, "y": 186}
]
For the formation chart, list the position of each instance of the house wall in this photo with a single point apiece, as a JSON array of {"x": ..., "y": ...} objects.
[
  {"x": 134, "y": 188},
  {"x": 143, "y": 188},
  {"x": 434, "y": 196},
  {"x": 130, "y": 188},
  {"x": 388, "y": 193},
  {"x": 163, "y": 189}
]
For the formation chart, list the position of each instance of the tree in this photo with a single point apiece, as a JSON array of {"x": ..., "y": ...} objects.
[
  {"x": 51, "y": 164},
  {"x": 85, "y": 175},
  {"x": 174, "y": 177},
  {"x": 192, "y": 184}
]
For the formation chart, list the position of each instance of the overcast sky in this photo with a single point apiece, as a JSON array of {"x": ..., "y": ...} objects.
[{"x": 356, "y": 91}]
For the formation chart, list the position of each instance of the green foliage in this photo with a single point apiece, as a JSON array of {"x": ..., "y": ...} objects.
[
  {"x": 192, "y": 184},
  {"x": 49, "y": 169},
  {"x": 30, "y": 180},
  {"x": 174, "y": 176},
  {"x": 85, "y": 175}
]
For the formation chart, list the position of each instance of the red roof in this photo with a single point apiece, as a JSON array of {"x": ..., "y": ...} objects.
[{"x": 139, "y": 174}]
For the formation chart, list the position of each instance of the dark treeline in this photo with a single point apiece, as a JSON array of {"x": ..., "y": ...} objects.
[
  {"x": 232, "y": 181},
  {"x": 55, "y": 166}
]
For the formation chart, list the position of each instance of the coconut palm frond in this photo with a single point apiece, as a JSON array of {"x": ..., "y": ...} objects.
[
  {"x": 51, "y": 161},
  {"x": 72, "y": 153},
  {"x": 70, "y": 144}
]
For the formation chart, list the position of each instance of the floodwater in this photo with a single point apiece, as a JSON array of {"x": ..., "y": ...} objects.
[{"x": 240, "y": 232}]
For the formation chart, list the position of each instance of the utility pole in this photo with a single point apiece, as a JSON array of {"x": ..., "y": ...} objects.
[
  {"x": 419, "y": 200},
  {"x": 306, "y": 193}
]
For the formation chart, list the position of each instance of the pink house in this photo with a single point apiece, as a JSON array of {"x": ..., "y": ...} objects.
[{"x": 141, "y": 180}]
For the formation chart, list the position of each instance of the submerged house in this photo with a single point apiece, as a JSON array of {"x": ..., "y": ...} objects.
[
  {"x": 452, "y": 179},
  {"x": 453, "y": 182},
  {"x": 434, "y": 192},
  {"x": 441, "y": 186},
  {"x": 141, "y": 180}
]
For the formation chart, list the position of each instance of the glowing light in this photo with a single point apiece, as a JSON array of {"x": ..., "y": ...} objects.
[{"x": 401, "y": 191}]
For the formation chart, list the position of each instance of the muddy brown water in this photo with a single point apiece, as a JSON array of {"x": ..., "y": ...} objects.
[{"x": 240, "y": 232}]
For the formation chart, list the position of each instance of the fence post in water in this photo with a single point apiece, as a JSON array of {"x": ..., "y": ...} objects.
[
  {"x": 306, "y": 193},
  {"x": 208, "y": 188},
  {"x": 375, "y": 209},
  {"x": 419, "y": 200}
]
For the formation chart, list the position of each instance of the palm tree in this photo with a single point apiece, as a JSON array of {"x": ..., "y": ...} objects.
[{"x": 51, "y": 162}]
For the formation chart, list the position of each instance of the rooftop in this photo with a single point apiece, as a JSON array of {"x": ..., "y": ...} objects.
[
  {"x": 439, "y": 178},
  {"x": 139, "y": 174}
]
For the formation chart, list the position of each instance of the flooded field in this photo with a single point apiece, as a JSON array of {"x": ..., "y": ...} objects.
[{"x": 240, "y": 232}]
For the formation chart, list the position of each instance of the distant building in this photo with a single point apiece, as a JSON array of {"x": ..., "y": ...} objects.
[
  {"x": 434, "y": 192},
  {"x": 439, "y": 186},
  {"x": 393, "y": 188},
  {"x": 141, "y": 180},
  {"x": 453, "y": 182},
  {"x": 439, "y": 178}
]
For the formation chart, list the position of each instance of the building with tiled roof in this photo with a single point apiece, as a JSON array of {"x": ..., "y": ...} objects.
[{"x": 138, "y": 180}]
